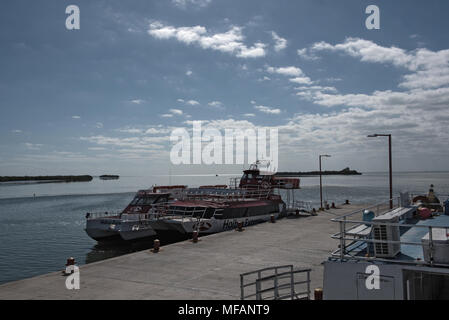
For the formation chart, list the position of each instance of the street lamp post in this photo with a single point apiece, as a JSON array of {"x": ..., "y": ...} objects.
[
  {"x": 390, "y": 163},
  {"x": 321, "y": 181}
]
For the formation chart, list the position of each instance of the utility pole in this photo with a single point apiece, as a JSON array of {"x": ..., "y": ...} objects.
[
  {"x": 321, "y": 181},
  {"x": 390, "y": 163}
]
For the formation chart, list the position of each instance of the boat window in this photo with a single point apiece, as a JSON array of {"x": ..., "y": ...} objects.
[
  {"x": 209, "y": 213},
  {"x": 161, "y": 199}
]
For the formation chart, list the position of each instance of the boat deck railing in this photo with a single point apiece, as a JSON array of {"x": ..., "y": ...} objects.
[
  {"x": 355, "y": 233},
  {"x": 128, "y": 215},
  {"x": 227, "y": 195},
  {"x": 281, "y": 284},
  {"x": 185, "y": 213},
  {"x": 278, "y": 183},
  {"x": 105, "y": 215}
]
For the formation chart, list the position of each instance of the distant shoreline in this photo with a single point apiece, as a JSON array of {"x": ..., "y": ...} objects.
[
  {"x": 83, "y": 178},
  {"x": 344, "y": 172}
]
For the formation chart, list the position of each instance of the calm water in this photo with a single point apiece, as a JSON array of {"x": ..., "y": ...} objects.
[{"x": 38, "y": 234}]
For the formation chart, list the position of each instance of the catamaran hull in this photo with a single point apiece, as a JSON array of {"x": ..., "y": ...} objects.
[
  {"x": 207, "y": 226},
  {"x": 132, "y": 231},
  {"x": 107, "y": 229},
  {"x": 102, "y": 230}
]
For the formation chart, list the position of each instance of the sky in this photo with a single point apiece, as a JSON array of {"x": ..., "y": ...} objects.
[{"x": 105, "y": 98}]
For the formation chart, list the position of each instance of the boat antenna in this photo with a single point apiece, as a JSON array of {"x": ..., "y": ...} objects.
[{"x": 169, "y": 174}]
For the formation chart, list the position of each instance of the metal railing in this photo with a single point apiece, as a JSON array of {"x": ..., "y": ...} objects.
[
  {"x": 350, "y": 242},
  {"x": 226, "y": 195},
  {"x": 299, "y": 205},
  {"x": 105, "y": 215},
  {"x": 282, "y": 284}
]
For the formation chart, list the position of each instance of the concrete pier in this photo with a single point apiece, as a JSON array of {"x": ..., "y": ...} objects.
[{"x": 208, "y": 269}]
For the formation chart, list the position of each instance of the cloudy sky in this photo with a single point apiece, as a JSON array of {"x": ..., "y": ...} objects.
[{"x": 106, "y": 97}]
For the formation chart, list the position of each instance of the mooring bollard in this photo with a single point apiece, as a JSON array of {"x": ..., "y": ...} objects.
[
  {"x": 195, "y": 236},
  {"x": 318, "y": 294},
  {"x": 68, "y": 269},
  {"x": 272, "y": 219},
  {"x": 333, "y": 205},
  {"x": 347, "y": 201},
  {"x": 70, "y": 262},
  {"x": 156, "y": 246}
]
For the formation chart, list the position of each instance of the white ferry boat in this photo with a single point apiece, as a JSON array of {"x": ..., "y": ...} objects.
[
  {"x": 133, "y": 222},
  {"x": 207, "y": 209}
]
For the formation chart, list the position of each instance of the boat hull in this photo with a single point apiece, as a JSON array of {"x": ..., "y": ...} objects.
[{"x": 207, "y": 226}]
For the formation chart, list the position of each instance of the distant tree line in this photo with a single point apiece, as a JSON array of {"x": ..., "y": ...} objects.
[
  {"x": 345, "y": 171},
  {"x": 47, "y": 178}
]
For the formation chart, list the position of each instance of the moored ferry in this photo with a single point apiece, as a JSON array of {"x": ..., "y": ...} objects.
[
  {"x": 214, "y": 210},
  {"x": 133, "y": 222},
  {"x": 207, "y": 209}
]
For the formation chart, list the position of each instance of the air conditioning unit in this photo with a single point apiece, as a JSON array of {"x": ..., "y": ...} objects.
[{"x": 386, "y": 232}]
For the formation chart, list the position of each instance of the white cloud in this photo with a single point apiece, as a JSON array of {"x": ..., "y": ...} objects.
[
  {"x": 185, "y": 3},
  {"x": 99, "y": 125},
  {"x": 130, "y": 130},
  {"x": 192, "y": 102},
  {"x": 96, "y": 148},
  {"x": 301, "y": 80},
  {"x": 427, "y": 82},
  {"x": 189, "y": 73},
  {"x": 249, "y": 115},
  {"x": 367, "y": 50},
  {"x": 16, "y": 131},
  {"x": 311, "y": 92},
  {"x": 158, "y": 130},
  {"x": 137, "y": 101},
  {"x": 215, "y": 104},
  {"x": 166, "y": 115},
  {"x": 231, "y": 42},
  {"x": 268, "y": 110},
  {"x": 286, "y": 71},
  {"x": 265, "y": 78},
  {"x": 306, "y": 54},
  {"x": 430, "y": 69},
  {"x": 33, "y": 146},
  {"x": 280, "y": 43},
  {"x": 129, "y": 142},
  {"x": 76, "y": 117},
  {"x": 177, "y": 112}
]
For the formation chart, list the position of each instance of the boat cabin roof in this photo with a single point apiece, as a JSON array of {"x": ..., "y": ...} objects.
[{"x": 414, "y": 234}]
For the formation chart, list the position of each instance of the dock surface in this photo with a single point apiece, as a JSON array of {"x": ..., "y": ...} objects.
[{"x": 208, "y": 269}]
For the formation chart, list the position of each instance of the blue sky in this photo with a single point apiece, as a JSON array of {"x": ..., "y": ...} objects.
[{"x": 106, "y": 97}]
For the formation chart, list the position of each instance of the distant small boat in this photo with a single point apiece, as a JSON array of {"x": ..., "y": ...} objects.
[{"x": 109, "y": 177}]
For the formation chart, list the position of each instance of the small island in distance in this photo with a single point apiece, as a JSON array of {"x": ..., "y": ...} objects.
[
  {"x": 345, "y": 171},
  {"x": 82, "y": 178},
  {"x": 109, "y": 177}
]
